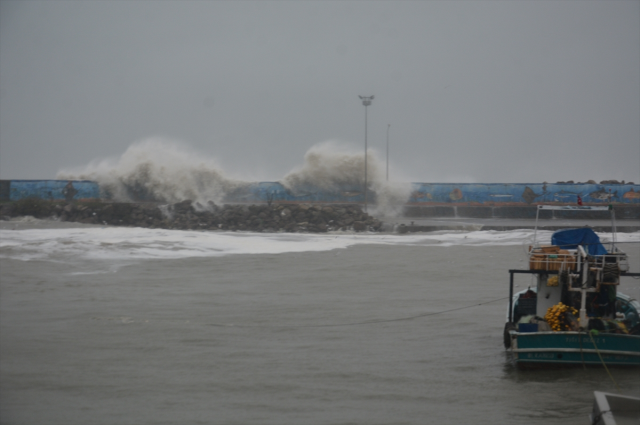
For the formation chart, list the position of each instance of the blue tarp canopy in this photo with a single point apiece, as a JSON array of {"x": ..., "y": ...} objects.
[{"x": 571, "y": 238}]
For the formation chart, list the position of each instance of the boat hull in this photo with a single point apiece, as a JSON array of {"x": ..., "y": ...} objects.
[
  {"x": 574, "y": 348},
  {"x": 611, "y": 409}
]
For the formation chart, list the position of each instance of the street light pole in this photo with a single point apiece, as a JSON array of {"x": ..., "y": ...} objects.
[
  {"x": 366, "y": 101},
  {"x": 388, "y": 127}
]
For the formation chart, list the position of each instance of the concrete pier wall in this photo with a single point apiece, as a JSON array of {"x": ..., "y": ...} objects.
[
  {"x": 622, "y": 212},
  {"x": 524, "y": 193},
  {"x": 52, "y": 190},
  {"x": 493, "y": 200},
  {"x": 455, "y": 194}
]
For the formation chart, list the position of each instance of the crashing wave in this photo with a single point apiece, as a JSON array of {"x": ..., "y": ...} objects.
[{"x": 167, "y": 171}]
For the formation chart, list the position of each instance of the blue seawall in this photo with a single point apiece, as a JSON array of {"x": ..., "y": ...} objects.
[
  {"x": 422, "y": 194},
  {"x": 53, "y": 190},
  {"x": 463, "y": 194},
  {"x": 496, "y": 194}
]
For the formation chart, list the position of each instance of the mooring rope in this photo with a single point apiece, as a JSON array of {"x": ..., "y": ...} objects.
[
  {"x": 603, "y": 363},
  {"x": 367, "y": 322}
]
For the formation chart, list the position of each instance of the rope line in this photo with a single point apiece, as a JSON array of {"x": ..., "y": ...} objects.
[
  {"x": 368, "y": 322},
  {"x": 603, "y": 363},
  {"x": 584, "y": 366}
]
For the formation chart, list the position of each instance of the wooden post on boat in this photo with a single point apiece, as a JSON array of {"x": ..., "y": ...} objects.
[
  {"x": 583, "y": 289},
  {"x": 510, "y": 296}
]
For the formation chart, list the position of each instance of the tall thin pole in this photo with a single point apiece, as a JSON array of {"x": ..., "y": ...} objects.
[
  {"x": 388, "y": 127},
  {"x": 365, "y": 158},
  {"x": 366, "y": 101}
]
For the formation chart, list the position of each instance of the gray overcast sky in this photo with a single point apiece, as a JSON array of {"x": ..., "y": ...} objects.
[{"x": 475, "y": 91}]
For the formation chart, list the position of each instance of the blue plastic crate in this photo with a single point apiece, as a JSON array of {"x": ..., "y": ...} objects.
[{"x": 528, "y": 327}]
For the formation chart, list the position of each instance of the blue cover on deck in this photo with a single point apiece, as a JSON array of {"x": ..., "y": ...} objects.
[{"x": 571, "y": 238}]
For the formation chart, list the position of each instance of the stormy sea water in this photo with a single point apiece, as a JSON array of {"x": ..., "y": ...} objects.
[{"x": 105, "y": 325}]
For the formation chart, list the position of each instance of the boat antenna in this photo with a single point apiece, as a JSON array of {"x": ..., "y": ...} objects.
[
  {"x": 613, "y": 228},
  {"x": 535, "y": 231}
]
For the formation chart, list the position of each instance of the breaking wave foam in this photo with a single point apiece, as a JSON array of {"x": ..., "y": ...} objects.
[
  {"x": 168, "y": 171},
  {"x": 158, "y": 169},
  {"x": 333, "y": 167},
  {"x": 132, "y": 244}
]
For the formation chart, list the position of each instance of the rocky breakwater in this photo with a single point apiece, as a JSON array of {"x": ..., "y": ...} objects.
[{"x": 183, "y": 216}]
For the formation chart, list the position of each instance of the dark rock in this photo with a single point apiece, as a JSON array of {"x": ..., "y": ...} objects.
[
  {"x": 35, "y": 207},
  {"x": 183, "y": 207},
  {"x": 7, "y": 210},
  {"x": 359, "y": 226},
  {"x": 182, "y": 215}
]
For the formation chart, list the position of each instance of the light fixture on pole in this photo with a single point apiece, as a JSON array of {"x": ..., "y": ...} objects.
[{"x": 366, "y": 101}]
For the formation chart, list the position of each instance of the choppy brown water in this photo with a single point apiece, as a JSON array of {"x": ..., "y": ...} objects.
[{"x": 277, "y": 339}]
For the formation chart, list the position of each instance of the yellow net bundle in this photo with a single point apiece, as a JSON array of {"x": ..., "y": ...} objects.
[{"x": 557, "y": 318}]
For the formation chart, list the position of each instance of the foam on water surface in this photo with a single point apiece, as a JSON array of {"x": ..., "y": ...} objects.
[{"x": 124, "y": 244}]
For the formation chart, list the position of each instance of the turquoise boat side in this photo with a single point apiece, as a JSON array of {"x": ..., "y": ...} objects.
[
  {"x": 577, "y": 348},
  {"x": 578, "y": 340}
]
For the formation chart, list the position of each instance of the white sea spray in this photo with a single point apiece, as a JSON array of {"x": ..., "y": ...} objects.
[
  {"x": 160, "y": 169},
  {"x": 169, "y": 171},
  {"x": 337, "y": 167}
]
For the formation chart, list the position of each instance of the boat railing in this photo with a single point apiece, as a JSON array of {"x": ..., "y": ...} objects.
[
  {"x": 605, "y": 268},
  {"x": 540, "y": 260},
  {"x": 551, "y": 257},
  {"x": 612, "y": 260},
  {"x": 576, "y": 209}
]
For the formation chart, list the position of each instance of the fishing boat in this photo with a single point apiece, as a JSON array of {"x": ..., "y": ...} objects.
[{"x": 573, "y": 314}]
